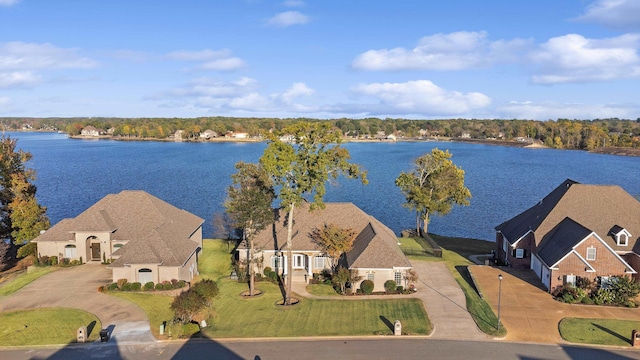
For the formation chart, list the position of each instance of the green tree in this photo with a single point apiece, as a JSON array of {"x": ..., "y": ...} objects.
[
  {"x": 21, "y": 217},
  {"x": 248, "y": 204},
  {"x": 334, "y": 240},
  {"x": 434, "y": 186},
  {"x": 302, "y": 168},
  {"x": 187, "y": 305}
]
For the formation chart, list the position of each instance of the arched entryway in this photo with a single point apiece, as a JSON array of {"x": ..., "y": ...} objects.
[
  {"x": 93, "y": 244},
  {"x": 145, "y": 275}
]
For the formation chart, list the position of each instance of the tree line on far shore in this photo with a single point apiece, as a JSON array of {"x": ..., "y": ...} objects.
[{"x": 560, "y": 134}]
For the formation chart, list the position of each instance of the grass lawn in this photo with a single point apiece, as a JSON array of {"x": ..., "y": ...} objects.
[
  {"x": 260, "y": 317},
  {"x": 457, "y": 262},
  {"x": 157, "y": 307},
  {"x": 322, "y": 290},
  {"x": 598, "y": 331},
  {"x": 21, "y": 280},
  {"x": 46, "y": 326}
]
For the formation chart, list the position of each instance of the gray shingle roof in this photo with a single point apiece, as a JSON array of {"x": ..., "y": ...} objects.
[
  {"x": 375, "y": 245},
  {"x": 156, "y": 231},
  {"x": 560, "y": 240}
]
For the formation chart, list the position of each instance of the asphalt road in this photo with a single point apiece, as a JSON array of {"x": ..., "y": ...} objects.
[{"x": 356, "y": 349}]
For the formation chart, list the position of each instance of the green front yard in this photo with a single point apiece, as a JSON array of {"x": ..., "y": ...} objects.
[
  {"x": 46, "y": 326},
  {"x": 23, "y": 279},
  {"x": 598, "y": 331},
  {"x": 260, "y": 317}
]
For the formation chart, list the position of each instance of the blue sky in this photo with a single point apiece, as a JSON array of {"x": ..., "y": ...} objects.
[{"x": 544, "y": 59}]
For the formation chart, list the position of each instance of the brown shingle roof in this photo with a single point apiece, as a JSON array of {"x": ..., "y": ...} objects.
[
  {"x": 157, "y": 232},
  {"x": 597, "y": 207},
  {"x": 374, "y": 247}
]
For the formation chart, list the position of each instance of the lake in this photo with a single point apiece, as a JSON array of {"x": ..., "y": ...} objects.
[{"x": 74, "y": 174}]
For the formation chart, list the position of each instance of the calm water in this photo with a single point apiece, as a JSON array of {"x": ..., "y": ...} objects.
[{"x": 74, "y": 174}]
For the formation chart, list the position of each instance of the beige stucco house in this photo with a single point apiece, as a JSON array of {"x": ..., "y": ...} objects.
[
  {"x": 375, "y": 254},
  {"x": 146, "y": 238}
]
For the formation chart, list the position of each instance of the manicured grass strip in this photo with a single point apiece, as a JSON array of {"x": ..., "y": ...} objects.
[
  {"x": 322, "y": 290},
  {"x": 156, "y": 306},
  {"x": 598, "y": 331},
  {"x": 46, "y": 326},
  {"x": 464, "y": 246},
  {"x": 260, "y": 317},
  {"x": 215, "y": 260},
  {"x": 24, "y": 279},
  {"x": 479, "y": 309}
]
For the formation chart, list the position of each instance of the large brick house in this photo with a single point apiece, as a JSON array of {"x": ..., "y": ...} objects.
[
  {"x": 144, "y": 238},
  {"x": 375, "y": 255},
  {"x": 577, "y": 230}
]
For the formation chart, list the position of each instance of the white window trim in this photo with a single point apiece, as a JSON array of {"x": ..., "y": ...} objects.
[
  {"x": 593, "y": 253},
  {"x": 619, "y": 237},
  {"x": 519, "y": 253},
  {"x": 296, "y": 258}
]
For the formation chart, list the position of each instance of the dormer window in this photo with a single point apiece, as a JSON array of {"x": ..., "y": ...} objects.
[{"x": 621, "y": 235}]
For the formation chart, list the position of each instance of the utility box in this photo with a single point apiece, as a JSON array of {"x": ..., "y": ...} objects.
[
  {"x": 635, "y": 338},
  {"x": 397, "y": 328},
  {"x": 104, "y": 335},
  {"x": 81, "y": 334}
]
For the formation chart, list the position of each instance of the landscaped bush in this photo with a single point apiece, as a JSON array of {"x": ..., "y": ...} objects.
[
  {"x": 136, "y": 286},
  {"x": 267, "y": 270},
  {"x": 587, "y": 300},
  {"x": 159, "y": 286},
  {"x": 273, "y": 277},
  {"x": 400, "y": 289},
  {"x": 181, "y": 284},
  {"x": 187, "y": 305},
  {"x": 112, "y": 287},
  {"x": 148, "y": 286},
  {"x": 390, "y": 286},
  {"x": 53, "y": 260},
  {"x": 121, "y": 283},
  {"x": 126, "y": 287},
  {"x": 174, "y": 282},
  {"x": 206, "y": 288},
  {"x": 166, "y": 285},
  {"x": 74, "y": 262},
  {"x": 44, "y": 260},
  {"x": 366, "y": 287}
]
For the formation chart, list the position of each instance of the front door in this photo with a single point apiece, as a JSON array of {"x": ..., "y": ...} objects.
[
  {"x": 298, "y": 261},
  {"x": 95, "y": 251}
]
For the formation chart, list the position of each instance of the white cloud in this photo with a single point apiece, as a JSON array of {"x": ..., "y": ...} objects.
[
  {"x": 296, "y": 90},
  {"x": 453, "y": 51},
  {"x": 574, "y": 58},
  {"x": 419, "y": 97},
  {"x": 619, "y": 14},
  {"x": 21, "y": 55},
  {"x": 550, "y": 110},
  {"x": 8, "y": 2},
  {"x": 217, "y": 60},
  {"x": 288, "y": 18},
  {"x": 17, "y": 79}
]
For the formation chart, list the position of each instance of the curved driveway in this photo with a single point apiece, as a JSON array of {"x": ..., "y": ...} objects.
[{"x": 77, "y": 287}]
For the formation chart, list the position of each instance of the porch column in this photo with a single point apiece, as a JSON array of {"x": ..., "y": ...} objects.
[{"x": 310, "y": 266}]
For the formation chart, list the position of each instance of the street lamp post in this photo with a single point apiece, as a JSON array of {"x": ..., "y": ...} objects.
[{"x": 499, "y": 295}]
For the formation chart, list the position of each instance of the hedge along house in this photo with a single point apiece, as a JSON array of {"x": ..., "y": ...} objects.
[
  {"x": 375, "y": 254},
  {"x": 577, "y": 230},
  {"x": 146, "y": 238}
]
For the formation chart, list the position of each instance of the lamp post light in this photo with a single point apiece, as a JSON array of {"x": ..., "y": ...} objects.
[{"x": 499, "y": 295}]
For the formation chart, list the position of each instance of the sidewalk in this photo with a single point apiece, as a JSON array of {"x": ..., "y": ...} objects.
[{"x": 443, "y": 300}]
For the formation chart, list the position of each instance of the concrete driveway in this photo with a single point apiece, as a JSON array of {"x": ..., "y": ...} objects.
[
  {"x": 528, "y": 312},
  {"x": 77, "y": 287}
]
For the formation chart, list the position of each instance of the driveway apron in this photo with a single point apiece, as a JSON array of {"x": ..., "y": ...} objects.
[{"x": 77, "y": 287}]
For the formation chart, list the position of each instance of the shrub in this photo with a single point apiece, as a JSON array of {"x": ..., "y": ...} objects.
[
  {"x": 187, "y": 305},
  {"x": 112, "y": 286},
  {"x": 74, "y": 262},
  {"x": 400, "y": 289},
  {"x": 101, "y": 289},
  {"x": 267, "y": 270},
  {"x": 366, "y": 287},
  {"x": 587, "y": 300},
  {"x": 624, "y": 288},
  {"x": 273, "y": 277},
  {"x": 27, "y": 249},
  {"x": 206, "y": 288},
  {"x": 121, "y": 283},
  {"x": 53, "y": 260},
  {"x": 44, "y": 260},
  {"x": 148, "y": 286},
  {"x": 181, "y": 284},
  {"x": 390, "y": 286},
  {"x": 174, "y": 282},
  {"x": 65, "y": 262},
  {"x": 603, "y": 296},
  {"x": 159, "y": 286},
  {"x": 126, "y": 287},
  {"x": 136, "y": 286},
  {"x": 167, "y": 285}
]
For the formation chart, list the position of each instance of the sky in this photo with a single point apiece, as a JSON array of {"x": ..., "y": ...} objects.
[{"x": 541, "y": 60}]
